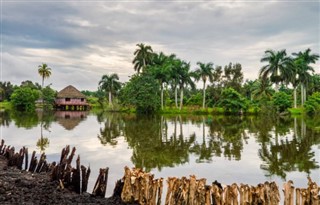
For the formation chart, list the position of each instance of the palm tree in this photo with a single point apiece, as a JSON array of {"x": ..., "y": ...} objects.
[
  {"x": 294, "y": 80},
  {"x": 44, "y": 71},
  {"x": 303, "y": 59},
  {"x": 185, "y": 79},
  {"x": 110, "y": 84},
  {"x": 161, "y": 69},
  {"x": 278, "y": 67},
  {"x": 143, "y": 57},
  {"x": 177, "y": 65},
  {"x": 204, "y": 72},
  {"x": 262, "y": 89}
]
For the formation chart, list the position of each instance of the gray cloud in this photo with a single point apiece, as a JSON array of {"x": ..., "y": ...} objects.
[{"x": 83, "y": 40}]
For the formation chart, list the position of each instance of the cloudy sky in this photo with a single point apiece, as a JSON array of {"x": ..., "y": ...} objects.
[{"x": 83, "y": 40}]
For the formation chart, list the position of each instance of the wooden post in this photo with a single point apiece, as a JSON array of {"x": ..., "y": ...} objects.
[
  {"x": 298, "y": 197},
  {"x": 126, "y": 194},
  {"x": 33, "y": 162},
  {"x": 160, "y": 188},
  {"x": 288, "y": 193},
  {"x": 26, "y": 159}
]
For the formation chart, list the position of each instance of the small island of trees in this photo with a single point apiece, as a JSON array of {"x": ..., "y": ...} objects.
[{"x": 164, "y": 83}]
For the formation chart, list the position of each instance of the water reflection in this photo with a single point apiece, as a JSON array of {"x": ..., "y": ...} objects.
[
  {"x": 281, "y": 144},
  {"x": 113, "y": 126},
  {"x": 152, "y": 146},
  {"x": 70, "y": 119}
]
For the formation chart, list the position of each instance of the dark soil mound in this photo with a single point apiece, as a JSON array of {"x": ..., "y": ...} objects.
[{"x": 22, "y": 187}]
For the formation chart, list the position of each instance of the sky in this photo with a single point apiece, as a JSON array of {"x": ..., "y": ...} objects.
[{"x": 83, "y": 40}]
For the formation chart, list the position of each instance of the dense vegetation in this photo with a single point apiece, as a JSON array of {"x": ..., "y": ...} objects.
[{"x": 167, "y": 83}]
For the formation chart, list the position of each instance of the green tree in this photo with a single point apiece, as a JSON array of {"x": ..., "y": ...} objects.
[
  {"x": 205, "y": 71},
  {"x": 142, "y": 92},
  {"x": 278, "y": 67},
  {"x": 185, "y": 80},
  {"x": 312, "y": 105},
  {"x": 233, "y": 76},
  {"x": 24, "y": 98},
  {"x": 303, "y": 61},
  {"x": 143, "y": 57},
  {"x": 44, "y": 71},
  {"x": 6, "y": 90},
  {"x": 232, "y": 101},
  {"x": 110, "y": 84},
  {"x": 161, "y": 69},
  {"x": 314, "y": 85},
  {"x": 282, "y": 101},
  {"x": 49, "y": 96},
  {"x": 262, "y": 89}
]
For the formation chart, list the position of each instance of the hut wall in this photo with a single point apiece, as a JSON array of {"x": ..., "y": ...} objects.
[{"x": 72, "y": 101}]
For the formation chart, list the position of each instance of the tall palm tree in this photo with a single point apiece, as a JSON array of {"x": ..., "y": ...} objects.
[
  {"x": 177, "y": 65},
  {"x": 185, "y": 79},
  {"x": 278, "y": 67},
  {"x": 303, "y": 61},
  {"x": 143, "y": 57},
  {"x": 204, "y": 72},
  {"x": 161, "y": 69},
  {"x": 262, "y": 88},
  {"x": 110, "y": 84},
  {"x": 44, "y": 71}
]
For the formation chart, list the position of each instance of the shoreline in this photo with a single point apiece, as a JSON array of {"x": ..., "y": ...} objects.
[{"x": 23, "y": 187}]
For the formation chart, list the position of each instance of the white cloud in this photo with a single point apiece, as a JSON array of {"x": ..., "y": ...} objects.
[{"x": 81, "y": 41}]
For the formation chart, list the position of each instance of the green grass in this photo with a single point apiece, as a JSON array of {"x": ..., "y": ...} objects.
[
  {"x": 296, "y": 111},
  {"x": 5, "y": 105},
  {"x": 192, "y": 110}
]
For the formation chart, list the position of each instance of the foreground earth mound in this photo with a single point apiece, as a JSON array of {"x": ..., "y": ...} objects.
[{"x": 22, "y": 187}]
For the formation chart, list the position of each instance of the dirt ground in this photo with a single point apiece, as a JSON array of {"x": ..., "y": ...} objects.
[{"x": 21, "y": 187}]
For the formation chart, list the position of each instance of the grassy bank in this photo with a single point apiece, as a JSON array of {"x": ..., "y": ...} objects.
[
  {"x": 296, "y": 111},
  {"x": 5, "y": 105}
]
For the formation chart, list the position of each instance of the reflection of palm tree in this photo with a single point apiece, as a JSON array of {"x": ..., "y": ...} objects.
[
  {"x": 285, "y": 156},
  {"x": 110, "y": 132},
  {"x": 43, "y": 142}
]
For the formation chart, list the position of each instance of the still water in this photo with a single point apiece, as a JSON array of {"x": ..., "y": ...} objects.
[{"x": 228, "y": 149}]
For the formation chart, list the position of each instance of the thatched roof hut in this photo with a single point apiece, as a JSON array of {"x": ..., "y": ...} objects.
[
  {"x": 70, "y": 92},
  {"x": 72, "y": 99}
]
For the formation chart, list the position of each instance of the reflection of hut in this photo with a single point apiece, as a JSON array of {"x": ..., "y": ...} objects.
[
  {"x": 71, "y": 99},
  {"x": 70, "y": 119}
]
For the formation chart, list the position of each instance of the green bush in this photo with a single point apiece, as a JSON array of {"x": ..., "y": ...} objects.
[
  {"x": 312, "y": 105},
  {"x": 232, "y": 101},
  {"x": 23, "y": 98},
  {"x": 281, "y": 101},
  {"x": 142, "y": 92}
]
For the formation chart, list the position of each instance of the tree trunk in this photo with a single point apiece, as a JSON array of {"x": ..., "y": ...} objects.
[
  {"x": 295, "y": 97},
  {"x": 277, "y": 87},
  {"x": 204, "y": 94},
  {"x": 181, "y": 98},
  {"x": 110, "y": 99},
  {"x": 302, "y": 93},
  {"x": 42, "y": 82},
  {"x": 161, "y": 96},
  {"x": 176, "y": 95}
]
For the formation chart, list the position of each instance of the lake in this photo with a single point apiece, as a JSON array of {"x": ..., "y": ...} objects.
[{"x": 241, "y": 149}]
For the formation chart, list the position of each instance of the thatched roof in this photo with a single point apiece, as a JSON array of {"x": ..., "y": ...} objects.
[{"x": 70, "y": 92}]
